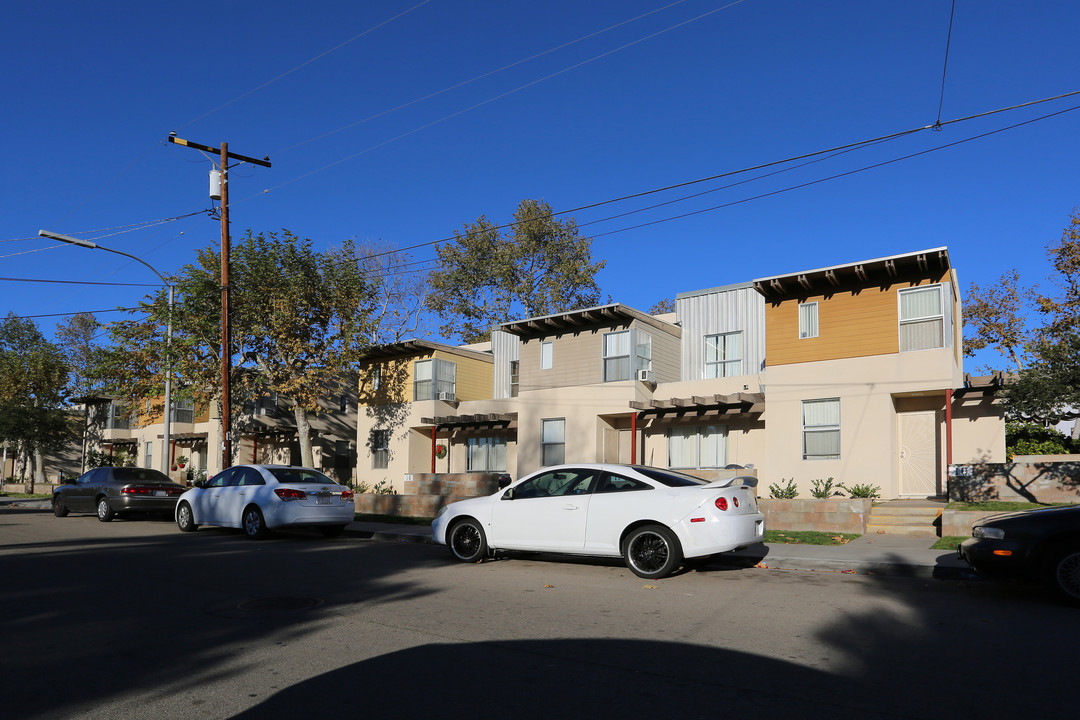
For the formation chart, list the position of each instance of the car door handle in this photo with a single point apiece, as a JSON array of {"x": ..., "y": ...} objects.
[{"x": 571, "y": 507}]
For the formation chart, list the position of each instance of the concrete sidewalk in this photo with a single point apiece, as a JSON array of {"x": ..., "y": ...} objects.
[{"x": 896, "y": 555}]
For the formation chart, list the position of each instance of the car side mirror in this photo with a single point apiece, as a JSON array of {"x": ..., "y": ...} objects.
[
  {"x": 504, "y": 481},
  {"x": 199, "y": 484},
  {"x": 71, "y": 480}
]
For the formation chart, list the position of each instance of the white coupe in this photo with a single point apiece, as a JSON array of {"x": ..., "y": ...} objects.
[{"x": 651, "y": 517}]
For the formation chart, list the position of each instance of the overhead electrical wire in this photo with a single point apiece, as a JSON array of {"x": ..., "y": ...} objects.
[{"x": 945, "y": 68}]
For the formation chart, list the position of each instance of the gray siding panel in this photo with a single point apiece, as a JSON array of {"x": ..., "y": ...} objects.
[
  {"x": 721, "y": 311},
  {"x": 505, "y": 348}
]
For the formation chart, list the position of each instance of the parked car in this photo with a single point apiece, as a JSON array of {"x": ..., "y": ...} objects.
[
  {"x": 261, "y": 498},
  {"x": 110, "y": 491},
  {"x": 1041, "y": 545},
  {"x": 652, "y": 518}
]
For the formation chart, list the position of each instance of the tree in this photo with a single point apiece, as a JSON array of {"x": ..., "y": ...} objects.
[
  {"x": 76, "y": 339},
  {"x": 399, "y": 293},
  {"x": 1047, "y": 357},
  {"x": 538, "y": 266},
  {"x": 302, "y": 319},
  {"x": 33, "y": 375}
]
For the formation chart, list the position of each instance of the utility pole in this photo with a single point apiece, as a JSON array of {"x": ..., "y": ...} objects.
[{"x": 226, "y": 337}]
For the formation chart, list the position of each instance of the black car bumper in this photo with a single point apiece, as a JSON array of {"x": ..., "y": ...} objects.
[{"x": 998, "y": 559}]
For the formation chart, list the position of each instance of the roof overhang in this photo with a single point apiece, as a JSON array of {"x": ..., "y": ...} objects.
[
  {"x": 412, "y": 348},
  {"x": 576, "y": 320},
  {"x": 479, "y": 420},
  {"x": 931, "y": 264}
]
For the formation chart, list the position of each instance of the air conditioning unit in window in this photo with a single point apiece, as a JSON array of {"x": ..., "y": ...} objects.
[
  {"x": 645, "y": 376},
  {"x": 447, "y": 396}
]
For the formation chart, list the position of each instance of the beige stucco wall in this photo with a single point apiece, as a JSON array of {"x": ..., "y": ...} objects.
[{"x": 871, "y": 391}]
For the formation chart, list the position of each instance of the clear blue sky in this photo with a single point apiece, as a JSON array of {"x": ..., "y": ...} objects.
[{"x": 337, "y": 94}]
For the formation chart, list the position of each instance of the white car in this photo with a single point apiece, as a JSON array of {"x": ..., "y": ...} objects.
[
  {"x": 651, "y": 517},
  {"x": 261, "y": 498}
]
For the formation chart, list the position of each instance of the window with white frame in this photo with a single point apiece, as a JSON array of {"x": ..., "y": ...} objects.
[
  {"x": 922, "y": 318},
  {"x": 617, "y": 356},
  {"x": 119, "y": 417},
  {"x": 380, "y": 449},
  {"x": 486, "y": 454},
  {"x": 376, "y": 377},
  {"x": 434, "y": 378},
  {"x": 700, "y": 446},
  {"x": 808, "y": 320},
  {"x": 552, "y": 441},
  {"x": 821, "y": 429},
  {"x": 723, "y": 355},
  {"x": 547, "y": 355},
  {"x": 515, "y": 377},
  {"x": 642, "y": 351},
  {"x": 183, "y": 411},
  {"x": 148, "y": 454}
]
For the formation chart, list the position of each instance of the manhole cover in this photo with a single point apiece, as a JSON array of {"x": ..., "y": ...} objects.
[{"x": 277, "y": 604}]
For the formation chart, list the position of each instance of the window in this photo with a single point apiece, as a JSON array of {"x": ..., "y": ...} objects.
[
  {"x": 723, "y": 355},
  {"x": 808, "y": 320},
  {"x": 546, "y": 355},
  {"x": 435, "y": 378},
  {"x": 553, "y": 441},
  {"x": 268, "y": 404},
  {"x": 922, "y": 319},
  {"x": 515, "y": 377},
  {"x": 380, "y": 449},
  {"x": 486, "y": 454},
  {"x": 183, "y": 411},
  {"x": 376, "y": 377},
  {"x": 343, "y": 403},
  {"x": 617, "y": 356},
  {"x": 118, "y": 417},
  {"x": 555, "y": 484},
  {"x": 149, "y": 454},
  {"x": 617, "y": 483},
  {"x": 642, "y": 352},
  {"x": 701, "y": 446},
  {"x": 821, "y": 429}
]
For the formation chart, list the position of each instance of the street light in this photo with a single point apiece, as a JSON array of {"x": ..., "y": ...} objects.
[{"x": 165, "y": 459}]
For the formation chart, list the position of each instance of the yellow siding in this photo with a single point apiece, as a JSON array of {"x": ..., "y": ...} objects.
[
  {"x": 475, "y": 378},
  {"x": 850, "y": 324}
]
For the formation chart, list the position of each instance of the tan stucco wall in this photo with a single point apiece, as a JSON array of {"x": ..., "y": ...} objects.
[{"x": 869, "y": 389}]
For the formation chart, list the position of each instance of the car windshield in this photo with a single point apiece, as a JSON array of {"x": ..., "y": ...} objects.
[
  {"x": 299, "y": 475},
  {"x": 133, "y": 474},
  {"x": 670, "y": 477}
]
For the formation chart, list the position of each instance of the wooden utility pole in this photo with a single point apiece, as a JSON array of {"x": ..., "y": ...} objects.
[{"x": 226, "y": 336}]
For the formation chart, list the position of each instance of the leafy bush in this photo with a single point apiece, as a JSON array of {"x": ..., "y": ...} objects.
[
  {"x": 862, "y": 491},
  {"x": 786, "y": 492},
  {"x": 824, "y": 489},
  {"x": 1033, "y": 439}
]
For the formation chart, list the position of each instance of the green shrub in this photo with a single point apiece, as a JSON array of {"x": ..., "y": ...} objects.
[
  {"x": 383, "y": 487},
  {"x": 786, "y": 492},
  {"x": 824, "y": 489},
  {"x": 1033, "y": 439},
  {"x": 862, "y": 491}
]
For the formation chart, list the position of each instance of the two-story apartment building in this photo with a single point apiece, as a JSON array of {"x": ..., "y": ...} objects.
[{"x": 852, "y": 372}]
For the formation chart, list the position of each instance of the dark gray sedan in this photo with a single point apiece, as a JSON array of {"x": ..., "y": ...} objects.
[{"x": 109, "y": 491}]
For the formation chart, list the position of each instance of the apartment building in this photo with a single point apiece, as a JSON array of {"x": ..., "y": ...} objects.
[{"x": 852, "y": 372}]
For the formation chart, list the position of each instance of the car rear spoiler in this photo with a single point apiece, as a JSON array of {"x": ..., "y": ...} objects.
[{"x": 743, "y": 480}]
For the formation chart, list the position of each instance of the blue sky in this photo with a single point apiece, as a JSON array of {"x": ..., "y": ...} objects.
[{"x": 375, "y": 133}]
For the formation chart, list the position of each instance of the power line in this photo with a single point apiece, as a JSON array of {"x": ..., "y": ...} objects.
[{"x": 78, "y": 282}]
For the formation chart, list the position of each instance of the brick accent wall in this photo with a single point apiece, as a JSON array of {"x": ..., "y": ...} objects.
[{"x": 1035, "y": 478}]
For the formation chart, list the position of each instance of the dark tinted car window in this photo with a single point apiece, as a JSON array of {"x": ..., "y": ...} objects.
[
  {"x": 617, "y": 483},
  {"x": 133, "y": 474},
  {"x": 300, "y": 475},
  {"x": 670, "y": 477},
  {"x": 222, "y": 478},
  {"x": 249, "y": 476}
]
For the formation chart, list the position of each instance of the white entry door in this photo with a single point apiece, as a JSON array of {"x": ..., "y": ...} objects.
[{"x": 920, "y": 454}]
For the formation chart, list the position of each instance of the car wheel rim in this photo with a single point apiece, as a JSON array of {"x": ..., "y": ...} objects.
[
  {"x": 102, "y": 509},
  {"x": 185, "y": 516},
  {"x": 1068, "y": 575},
  {"x": 466, "y": 541},
  {"x": 649, "y": 552},
  {"x": 251, "y": 523}
]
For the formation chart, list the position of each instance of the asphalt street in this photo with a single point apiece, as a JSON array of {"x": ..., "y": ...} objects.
[{"x": 132, "y": 619}]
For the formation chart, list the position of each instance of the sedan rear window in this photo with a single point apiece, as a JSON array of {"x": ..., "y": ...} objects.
[
  {"x": 134, "y": 474},
  {"x": 670, "y": 477},
  {"x": 300, "y": 475}
]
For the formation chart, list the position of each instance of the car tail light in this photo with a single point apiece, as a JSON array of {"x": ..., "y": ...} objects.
[
  {"x": 136, "y": 490},
  {"x": 721, "y": 503},
  {"x": 346, "y": 495},
  {"x": 736, "y": 501},
  {"x": 288, "y": 494}
]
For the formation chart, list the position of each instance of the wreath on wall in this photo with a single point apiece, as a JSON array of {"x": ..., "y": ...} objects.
[{"x": 440, "y": 451}]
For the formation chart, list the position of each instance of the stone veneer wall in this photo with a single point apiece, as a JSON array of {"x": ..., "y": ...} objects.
[
  {"x": 426, "y": 494},
  {"x": 839, "y": 515},
  {"x": 1038, "y": 478}
]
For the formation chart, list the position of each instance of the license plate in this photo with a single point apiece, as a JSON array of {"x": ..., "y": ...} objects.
[
  {"x": 323, "y": 500},
  {"x": 160, "y": 493}
]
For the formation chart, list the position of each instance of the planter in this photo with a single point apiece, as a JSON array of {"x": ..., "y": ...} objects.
[{"x": 839, "y": 515}]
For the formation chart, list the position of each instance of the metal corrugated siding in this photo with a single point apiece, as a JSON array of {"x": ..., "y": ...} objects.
[
  {"x": 506, "y": 348},
  {"x": 726, "y": 310}
]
